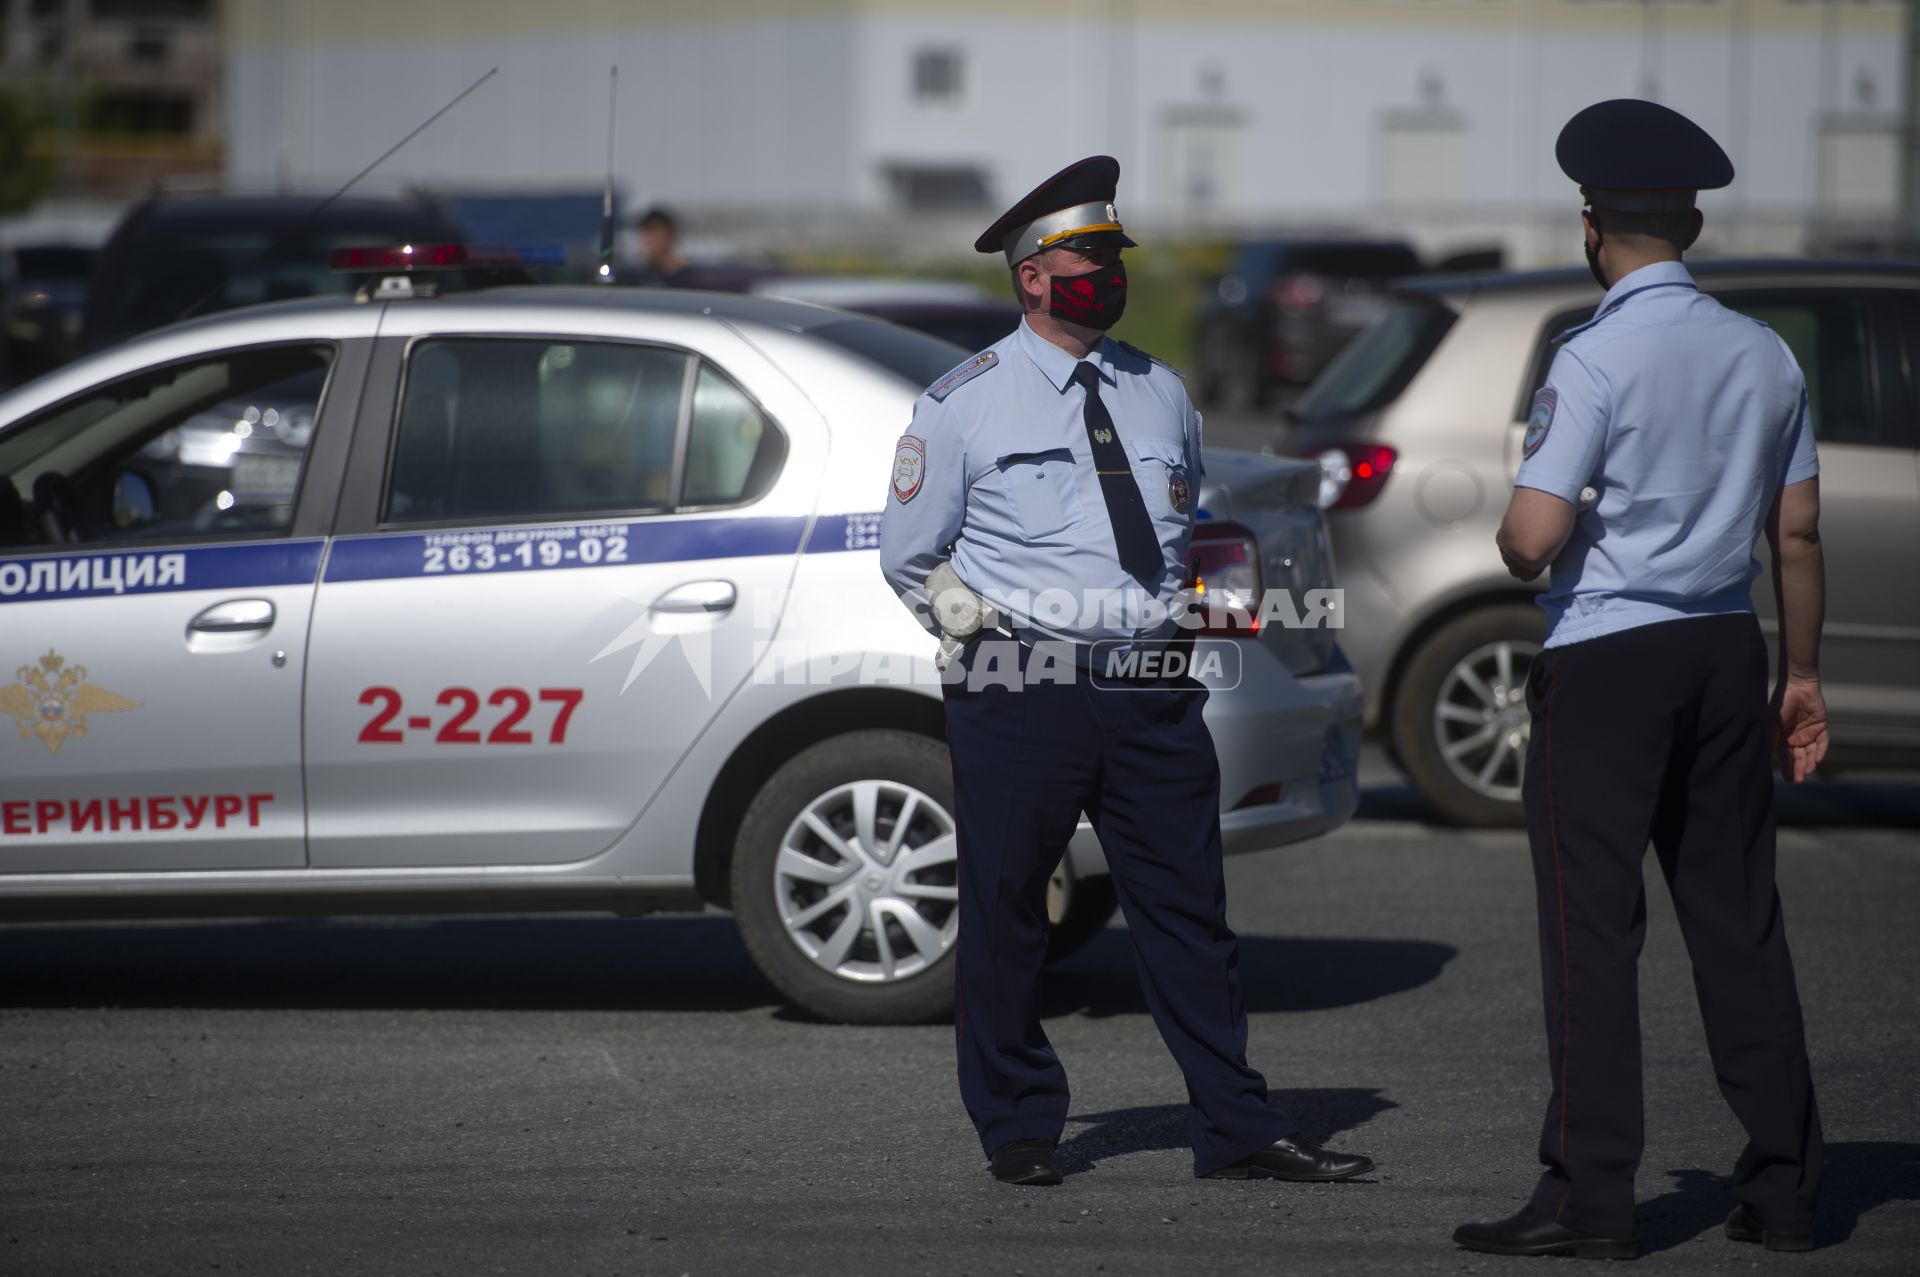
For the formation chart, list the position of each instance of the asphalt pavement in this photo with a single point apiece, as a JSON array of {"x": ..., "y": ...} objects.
[{"x": 584, "y": 1095}]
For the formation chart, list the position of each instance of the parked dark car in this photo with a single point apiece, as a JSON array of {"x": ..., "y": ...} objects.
[
  {"x": 1284, "y": 309},
  {"x": 43, "y": 296},
  {"x": 176, "y": 256}
]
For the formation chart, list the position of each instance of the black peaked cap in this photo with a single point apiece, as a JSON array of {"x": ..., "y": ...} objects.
[{"x": 1629, "y": 145}]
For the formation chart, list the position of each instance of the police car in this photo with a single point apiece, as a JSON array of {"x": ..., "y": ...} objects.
[{"x": 541, "y": 599}]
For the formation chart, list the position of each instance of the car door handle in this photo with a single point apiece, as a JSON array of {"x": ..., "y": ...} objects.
[
  {"x": 697, "y": 596},
  {"x": 233, "y": 617}
]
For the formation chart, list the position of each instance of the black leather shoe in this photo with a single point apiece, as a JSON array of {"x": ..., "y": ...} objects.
[
  {"x": 1025, "y": 1162},
  {"x": 1296, "y": 1160},
  {"x": 1529, "y": 1233},
  {"x": 1744, "y": 1226}
]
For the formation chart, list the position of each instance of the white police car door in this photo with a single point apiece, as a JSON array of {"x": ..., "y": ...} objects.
[
  {"x": 572, "y": 547},
  {"x": 155, "y": 590}
]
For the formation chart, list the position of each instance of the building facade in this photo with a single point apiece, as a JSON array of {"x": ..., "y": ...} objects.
[
  {"x": 130, "y": 90},
  {"x": 891, "y": 121}
]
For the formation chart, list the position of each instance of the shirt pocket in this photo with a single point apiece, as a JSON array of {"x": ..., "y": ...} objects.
[
  {"x": 1160, "y": 470},
  {"x": 1039, "y": 488}
]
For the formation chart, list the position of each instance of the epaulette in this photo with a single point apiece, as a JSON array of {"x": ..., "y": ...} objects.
[
  {"x": 1132, "y": 349},
  {"x": 966, "y": 372}
]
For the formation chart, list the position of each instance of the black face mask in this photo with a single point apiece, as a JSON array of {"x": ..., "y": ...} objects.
[
  {"x": 1593, "y": 257},
  {"x": 1096, "y": 299}
]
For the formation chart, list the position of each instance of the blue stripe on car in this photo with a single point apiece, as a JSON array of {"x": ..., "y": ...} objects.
[{"x": 449, "y": 552}]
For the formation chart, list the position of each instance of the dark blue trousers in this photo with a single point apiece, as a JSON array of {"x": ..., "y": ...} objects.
[
  {"x": 1137, "y": 758},
  {"x": 1659, "y": 735}
]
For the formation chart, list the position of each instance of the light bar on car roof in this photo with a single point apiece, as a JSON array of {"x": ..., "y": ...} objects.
[{"x": 418, "y": 257}]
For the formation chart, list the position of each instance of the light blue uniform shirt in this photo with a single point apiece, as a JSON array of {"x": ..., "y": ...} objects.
[
  {"x": 1686, "y": 418},
  {"x": 996, "y": 473}
]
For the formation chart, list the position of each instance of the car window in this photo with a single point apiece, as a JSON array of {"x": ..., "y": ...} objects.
[
  {"x": 1377, "y": 365},
  {"x": 533, "y": 428},
  {"x": 1545, "y": 347},
  {"x": 1829, "y": 337},
  {"x": 169, "y": 279},
  {"x": 733, "y": 452},
  {"x": 916, "y": 357},
  {"x": 208, "y": 448},
  {"x": 1901, "y": 364},
  {"x": 970, "y": 332}
]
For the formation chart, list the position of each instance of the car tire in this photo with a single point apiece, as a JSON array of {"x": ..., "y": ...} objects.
[
  {"x": 783, "y": 871},
  {"x": 1456, "y": 715},
  {"x": 1078, "y": 913}
]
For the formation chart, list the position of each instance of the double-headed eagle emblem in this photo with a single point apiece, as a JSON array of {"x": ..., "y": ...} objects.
[{"x": 53, "y": 700}]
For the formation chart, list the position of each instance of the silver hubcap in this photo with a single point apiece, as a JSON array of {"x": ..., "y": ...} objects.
[
  {"x": 867, "y": 881},
  {"x": 1480, "y": 718}
]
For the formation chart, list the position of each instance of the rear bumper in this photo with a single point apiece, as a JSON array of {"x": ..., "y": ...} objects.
[{"x": 1301, "y": 734}]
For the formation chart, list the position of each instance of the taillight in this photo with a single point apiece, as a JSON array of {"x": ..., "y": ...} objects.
[
  {"x": 1299, "y": 293},
  {"x": 1223, "y": 571},
  {"x": 1352, "y": 474}
]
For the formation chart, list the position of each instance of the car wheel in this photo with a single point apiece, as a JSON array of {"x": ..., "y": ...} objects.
[
  {"x": 1460, "y": 721},
  {"x": 845, "y": 879},
  {"x": 1078, "y": 909}
]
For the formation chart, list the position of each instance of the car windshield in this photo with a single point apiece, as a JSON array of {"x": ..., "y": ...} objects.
[
  {"x": 911, "y": 355},
  {"x": 1377, "y": 365}
]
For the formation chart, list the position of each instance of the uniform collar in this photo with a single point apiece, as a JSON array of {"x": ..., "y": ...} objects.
[
  {"x": 1658, "y": 275},
  {"x": 1057, "y": 364}
]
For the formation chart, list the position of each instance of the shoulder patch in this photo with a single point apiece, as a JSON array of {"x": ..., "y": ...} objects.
[
  {"x": 1132, "y": 349},
  {"x": 909, "y": 467},
  {"x": 960, "y": 376},
  {"x": 1539, "y": 420}
]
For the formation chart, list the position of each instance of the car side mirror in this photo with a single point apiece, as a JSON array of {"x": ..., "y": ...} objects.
[{"x": 133, "y": 503}]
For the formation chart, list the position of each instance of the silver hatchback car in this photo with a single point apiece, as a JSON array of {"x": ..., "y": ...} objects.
[
  {"x": 1418, "y": 426},
  {"x": 541, "y": 599}
]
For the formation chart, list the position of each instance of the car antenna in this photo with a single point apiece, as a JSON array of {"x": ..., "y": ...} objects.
[
  {"x": 605, "y": 273},
  {"x": 351, "y": 182}
]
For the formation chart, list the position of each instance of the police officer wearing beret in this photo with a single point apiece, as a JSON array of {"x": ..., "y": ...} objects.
[
  {"x": 1670, "y": 435},
  {"x": 1062, "y": 464}
]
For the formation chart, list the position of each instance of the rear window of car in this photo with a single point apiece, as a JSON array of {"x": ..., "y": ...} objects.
[
  {"x": 170, "y": 276},
  {"x": 1377, "y": 365},
  {"x": 1545, "y": 347},
  {"x": 53, "y": 263},
  {"x": 913, "y": 356},
  {"x": 497, "y": 429},
  {"x": 188, "y": 261},
  {"x": 1356, "y": 261},
  {"x": 966, "y": 330}
]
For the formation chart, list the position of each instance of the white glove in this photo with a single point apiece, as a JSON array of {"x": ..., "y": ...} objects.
[
  {"x": 957, "y": 610},
  {"x": 948, "y": 649}
]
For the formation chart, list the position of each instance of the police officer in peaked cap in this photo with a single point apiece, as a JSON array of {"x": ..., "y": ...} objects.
[
  {"x": 1670, "y": 435},
  {"x": 1060, "y": 463}
]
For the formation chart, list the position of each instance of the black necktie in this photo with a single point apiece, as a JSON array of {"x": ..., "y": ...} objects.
[{"x": 1133, "y": 534}]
